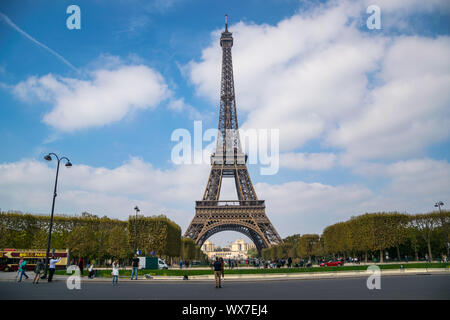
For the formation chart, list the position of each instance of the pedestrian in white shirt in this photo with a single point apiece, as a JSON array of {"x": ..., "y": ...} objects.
[
  {"x": 52, "y": 267},
  {"x": 115, "y": 271}
]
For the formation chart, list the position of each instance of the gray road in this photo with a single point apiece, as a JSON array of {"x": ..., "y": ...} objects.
[{"x": 392, "y": 287}]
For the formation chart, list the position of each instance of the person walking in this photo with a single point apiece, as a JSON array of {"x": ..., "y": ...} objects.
[
  {"x": 289, "y": 262},
  {"x": 52, "y": 267},
  {"x": 181, "y": 264},
  {"x": 22, "y": 268},
  {"x": 135, "y": 265},
  {"x": 37, "y": 270},
  {"x": 115, "y": 271},
  {"x": 217, "y": 272}
]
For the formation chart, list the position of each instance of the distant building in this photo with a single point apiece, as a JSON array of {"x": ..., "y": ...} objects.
[
  {"x": 237, "y": 250},
  {"x": 208, "y": 246}
]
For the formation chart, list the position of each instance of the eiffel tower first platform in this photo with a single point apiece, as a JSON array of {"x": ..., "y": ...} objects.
[{"x": 247, "y": 214}]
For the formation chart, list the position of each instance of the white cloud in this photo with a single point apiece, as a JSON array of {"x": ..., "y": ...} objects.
[
  {"x": 105, "y": 98},
  {"x": 316, "y": 76},
  {"x": 409, "y": 111},
  {"x": 300, "y": 76},
  {"x": 405, "y": 7},
  {"x": 307, "y": 161},
  {"x": 300, "y": 207},
  {"x": 293, "y": 207},
  {"x": 412, "y": 180},
  {"x": 179, "y": 105},
  {"x": 27, "y": 185}
]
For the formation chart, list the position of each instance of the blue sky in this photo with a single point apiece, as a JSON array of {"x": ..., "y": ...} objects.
[{"x": 363, "y": 114}]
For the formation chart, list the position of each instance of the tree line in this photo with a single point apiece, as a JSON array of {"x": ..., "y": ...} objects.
[
  {"x": 98, "y": 238},
  {"x": 371, "y": 235}
]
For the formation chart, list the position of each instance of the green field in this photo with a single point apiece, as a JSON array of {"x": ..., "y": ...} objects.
[{"x": 193, "y": 272}]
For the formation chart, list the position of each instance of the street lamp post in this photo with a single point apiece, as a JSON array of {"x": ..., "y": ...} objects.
[
  {"x": 439, "y": 204},
  {"x": 136, "y": 209},
  {"x": 68, "y": 164}
]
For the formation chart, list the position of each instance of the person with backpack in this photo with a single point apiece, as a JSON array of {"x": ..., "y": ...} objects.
[
  {"x": 37, "y": 270},
  {"x": 22, "y": 269}
]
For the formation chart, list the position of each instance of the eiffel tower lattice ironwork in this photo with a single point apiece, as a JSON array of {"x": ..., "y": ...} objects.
[{"x": 247, "y": 214}]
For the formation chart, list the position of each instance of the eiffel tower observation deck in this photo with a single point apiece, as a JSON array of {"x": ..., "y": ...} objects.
[{"x": 247, "y": 214}]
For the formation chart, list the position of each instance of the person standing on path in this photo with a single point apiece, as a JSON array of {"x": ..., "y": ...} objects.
[
  {"x": 52, "y": 267},
  {"x": 181, "y": 264},
  {"x": 217, "y": 272},
  {"x": 135, "y": 265},
  {"x": 22, "y": 268},
  {"x": 37, "y": 270},
  {"x": 115, "y": 271}
]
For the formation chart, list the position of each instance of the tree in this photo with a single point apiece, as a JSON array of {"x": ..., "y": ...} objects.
[
  {"x": 336, "y": 238},
  {"x": 362, "y": 232},
  {"x": 157, "y": 233},
  {"x": 292, "y": 239},
  {"x": 318, "y": 249},
  {"x": 400, "y": 230},
  {"x": 118, "y": 245},
  {"x": 82, "y": 242},
  {"x": 188, "y": 249},
  {"x": 306, "y": 244},
  {"x": 426, "y": 224},
  {"x": 252, "y": 253}
]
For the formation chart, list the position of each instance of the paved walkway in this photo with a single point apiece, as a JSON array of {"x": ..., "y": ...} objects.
[
  {"x": 434, "y": 286},
  {"x": 10, "y": 276}
]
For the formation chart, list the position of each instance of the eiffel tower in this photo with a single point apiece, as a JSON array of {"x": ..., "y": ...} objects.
[{"x": 246, "y": 215}]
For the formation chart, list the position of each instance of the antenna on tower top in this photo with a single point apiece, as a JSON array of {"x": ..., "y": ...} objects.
[{"x": 226, "y": 22}]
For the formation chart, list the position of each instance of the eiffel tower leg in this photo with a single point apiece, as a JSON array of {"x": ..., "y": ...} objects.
[{"x": 244, "y": 184}]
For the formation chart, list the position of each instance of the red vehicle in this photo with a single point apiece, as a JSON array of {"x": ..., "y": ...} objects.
[{"x": 332, "y": 263}]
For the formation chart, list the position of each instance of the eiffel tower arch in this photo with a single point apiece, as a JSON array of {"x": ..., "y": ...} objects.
[{"x": 246, "y": 215}]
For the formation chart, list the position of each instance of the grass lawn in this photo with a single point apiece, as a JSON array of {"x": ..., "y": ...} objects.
[{"x": 193, "y": 272}]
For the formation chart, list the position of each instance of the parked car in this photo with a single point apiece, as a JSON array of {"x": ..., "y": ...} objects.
[{"x": 332, "y": 263}]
